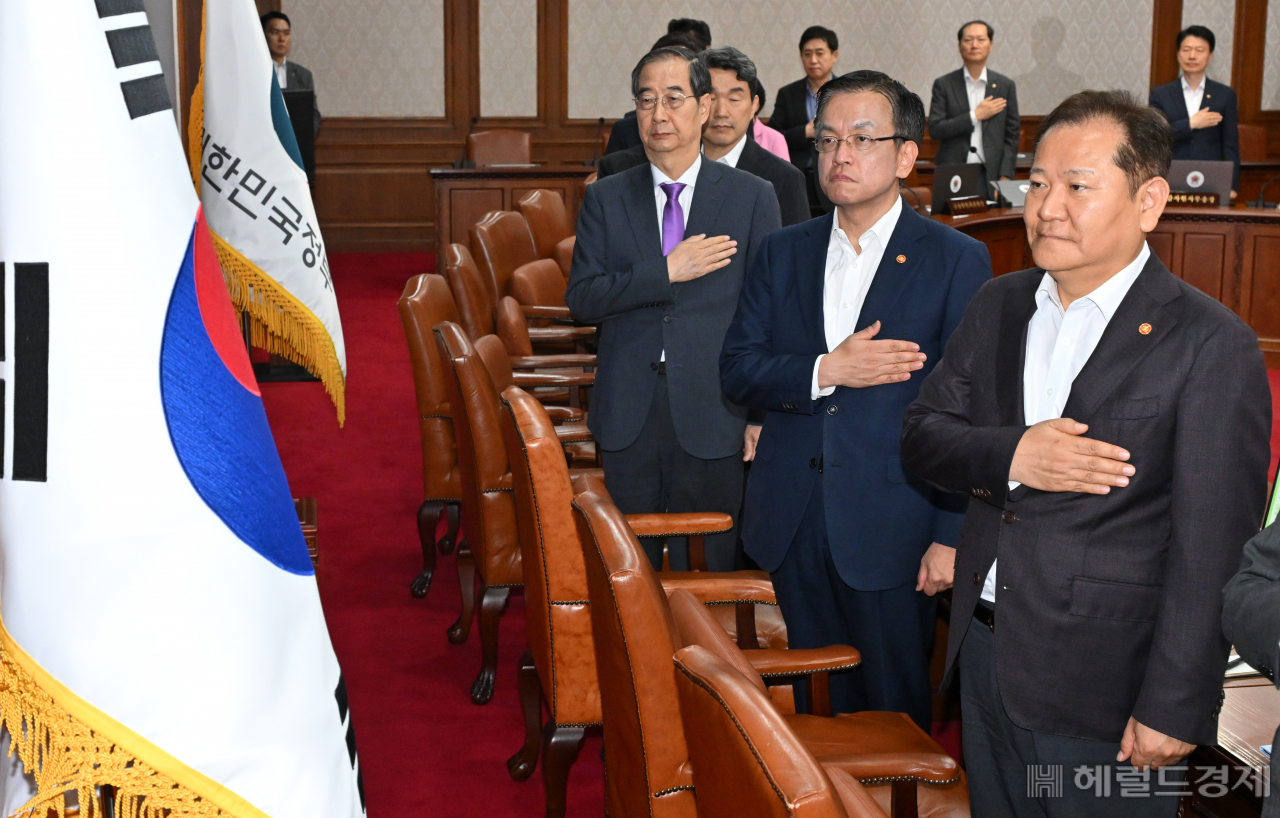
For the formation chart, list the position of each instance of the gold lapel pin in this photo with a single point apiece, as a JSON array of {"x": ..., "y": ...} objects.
[
  {"x": 901, "y": 259},
  {"x": 993, "y": 85},
  {"x": 1145, "y": 329},
  {"x": 1208, "y": 96}
]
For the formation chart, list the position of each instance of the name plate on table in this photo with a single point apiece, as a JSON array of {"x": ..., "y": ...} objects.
[
  {"x": 966, "y": 205},
  {"x": 1178, "y": 198}
]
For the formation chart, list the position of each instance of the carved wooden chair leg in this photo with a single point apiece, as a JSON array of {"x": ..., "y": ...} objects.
[
  {"x": 697, "y": 552},
  {"x": 428, "y": 516},
  {"x": 902, "y": 800},
  {"x": 560, "y": 748},
  {"x": 492, "y": 601},
  {"x": 745, "y": 616},
  {"x": 817, "y": 687},
  {"x": 450, "y": 538},
  {"x": 521, "y": 764},
  {"x": 459, "y": 630}
]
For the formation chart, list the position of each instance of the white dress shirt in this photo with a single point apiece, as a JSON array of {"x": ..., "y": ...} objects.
[
  {"x": 1059, "y": 343},
  {"x": 735, "y": 153},
  {"x": 1193, "y": 98},
  {"x": 977, "y": 90},
  {"x": 685, "y": 198},
  {"x": 281, "y": 74},
  {"x": 848, "y": 279}
]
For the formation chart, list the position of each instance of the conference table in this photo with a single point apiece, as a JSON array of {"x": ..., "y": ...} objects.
[{"x": 1230, "y": 253}]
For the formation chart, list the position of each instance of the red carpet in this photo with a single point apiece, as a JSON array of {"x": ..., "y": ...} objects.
[{"x": 424, "y": 748}]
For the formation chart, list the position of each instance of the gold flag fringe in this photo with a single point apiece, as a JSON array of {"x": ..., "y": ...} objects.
[
  {"x": 64, "y": 754},
  {"x": 279, "y": 323}
]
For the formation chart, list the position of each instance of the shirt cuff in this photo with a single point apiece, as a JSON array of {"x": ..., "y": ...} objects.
[
  {"x": 973, "y": 119},
  {"x": 814, "y": 391}
]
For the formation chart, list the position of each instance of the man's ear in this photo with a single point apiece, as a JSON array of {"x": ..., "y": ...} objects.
[
  {"x": 907, "y": 156},
  {"x": 1153, "y": 197}
]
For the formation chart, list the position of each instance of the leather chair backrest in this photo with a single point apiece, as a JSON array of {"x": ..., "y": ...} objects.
[
  {"x": 698, "y": 627},
  {"x": 548, "y": 219},
  {"x": 646, "y": 759},
  {"x": 499, "y": 147},
  {"x": 470, "y": 292},
  {"x": 500, "y": 242},
  {"x": 539, "y": 283},
  {"x": 512, "y": 327},
  {"x": 1253, "y": 143},
  {"x": 557, "y": 614},
  {"x": 426, "y": 301},
  {"x": 564, "y": 255},
  {"x": 497, "y": 362},
  {"x": 746, "y": 759},
  {"x": 488, "y": 511}
]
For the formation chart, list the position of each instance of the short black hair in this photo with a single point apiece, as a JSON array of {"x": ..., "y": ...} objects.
[
  {"x": 1202, "y": 32},
  {"x": 1147, "y": 147},
  {"x": 679, "y": 38},
  {"x": 728, "y": 58},
  {"x": 275, "y": 15},
  {"x": 757, "y": 90},
  {"x": 699, "y": 79},
  {"x": 991, "y": 32},
  {"x": 908, "y": 110},
  {"x": 698, "y": 29},
  {"x": 820, "y": 33}
]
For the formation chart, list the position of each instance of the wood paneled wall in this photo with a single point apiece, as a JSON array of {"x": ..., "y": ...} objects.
[{"x": 372, "y": 189}]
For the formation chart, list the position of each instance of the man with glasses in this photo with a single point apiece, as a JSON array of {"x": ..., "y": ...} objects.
[
  {"x": 974, "y": 111},
  {"x": 661, "y": 252},
  {"x": 838, "y": 323}
]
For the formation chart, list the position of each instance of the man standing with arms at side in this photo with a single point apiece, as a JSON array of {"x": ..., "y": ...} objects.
[
  {"x": 290, "y": 75},
  {"x": 659, "y": 260},
  {"x": 1202, "y": 112},
  {"x": 1086, "y": 620},
  {"x": 797, "y": 103},
  {"x": 974, "y": 111},
  {"x": 850, "y": 537}
]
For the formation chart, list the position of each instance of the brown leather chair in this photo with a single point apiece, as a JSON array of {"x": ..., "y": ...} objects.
[
  {"x": 646, "y": 759},
  {"x": 426, "y": 301},
  {"x": 563, "y": 255},
  {"x": 539, "y": 283},
  {"x": 488, "y": 511},
  {"x": 1253, "y": 143},
  {"x": 499, "y": 147},
  {"x": 478, "y": 308},
  {"x": 548, "y": 219},
  {"x": 874, "y": 747},
  {"x": 560, "y": 665},
  {"x": 746, "y": 761},
  {"x": 501, "y": 242}
]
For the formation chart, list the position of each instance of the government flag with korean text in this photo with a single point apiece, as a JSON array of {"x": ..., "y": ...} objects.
[
  {"x": 160, "y": 625},
  {"x": 248, "y": 169}
]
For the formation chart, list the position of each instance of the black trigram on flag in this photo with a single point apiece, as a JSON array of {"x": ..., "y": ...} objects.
[
  {"x": 344, "y": 713},
  {"x": 29, "y": 369},
  {"x": 134, "y": 46}
]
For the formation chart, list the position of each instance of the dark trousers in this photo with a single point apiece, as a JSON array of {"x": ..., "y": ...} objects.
[
  {"x": 1019, "y": 773},
  {"x": 893, "y": 629},
  {"x": 654, "y": 474}
]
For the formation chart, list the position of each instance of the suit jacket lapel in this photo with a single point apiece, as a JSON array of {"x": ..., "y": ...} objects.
[
  {"x": 892, "y": 276},
  {"x": 1122, "y": 346},
  {"x": 1011, "y": 347},
  {"x": 707, "y": 199},
  {"x": 811, "y": 273},
  {"x": 642, "y": 212}
]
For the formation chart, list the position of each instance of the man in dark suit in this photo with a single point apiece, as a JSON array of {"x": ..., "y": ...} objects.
[
  {"x": 796, "y": 103},
  {"x": 659, "y": 261},
  {"x": 727, "y": 136},
  {"x": 1201, "y": 111},
  {"x": 845, "y": 531},
  {"x": 1099, "y": 639},
  {"x": 974, "y": 111},
  {"x": 1251, "y": 621},
  {"x": 290, "y": 75},
  {"x": 625, "y": 133}
]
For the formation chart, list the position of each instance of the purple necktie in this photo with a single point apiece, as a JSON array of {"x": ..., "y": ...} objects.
[{"x": 672, "y": 217}]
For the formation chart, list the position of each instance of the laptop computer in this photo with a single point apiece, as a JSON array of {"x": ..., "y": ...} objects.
[
  {"x": 954, "y": 182},
  {"x": 1012, "y": 193},
  {"x": 1202, "y": 176}
]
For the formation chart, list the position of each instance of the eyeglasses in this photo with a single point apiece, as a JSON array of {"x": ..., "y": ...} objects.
[
  {"x": 860, "y": 142},
  {"x": 669, "y": 101}
]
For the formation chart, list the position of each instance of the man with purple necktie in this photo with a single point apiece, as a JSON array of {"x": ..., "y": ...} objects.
[{"x": 661, "y": 253}]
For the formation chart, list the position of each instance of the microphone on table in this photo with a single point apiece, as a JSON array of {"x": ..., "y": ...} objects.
[
  {"x": 1262, "y": 194},
  {"x": 464, "y": 162},
  {"x": 595, "y": 149}
]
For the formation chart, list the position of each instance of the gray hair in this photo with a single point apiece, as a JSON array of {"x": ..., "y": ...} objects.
[
  {"x": 699, "y": 79},
  {"x": 728, "y": 58}
]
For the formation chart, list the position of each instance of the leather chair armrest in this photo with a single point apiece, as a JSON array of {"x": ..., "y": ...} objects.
[
  {"x": 679, "y": 525},
  {"x": 528, "y": 379},
  {"x": 551, "y": 361},
  {"x": 560, "y": 333},
  {"x": 877, "y": 768},
  {"x": 721, "y": 588},
  {"x": 573, "y": 432},
  {"x": 564, "y": 414},
  {"x": 803, "y": 661},
  {"x": 536, "y": 311}
]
